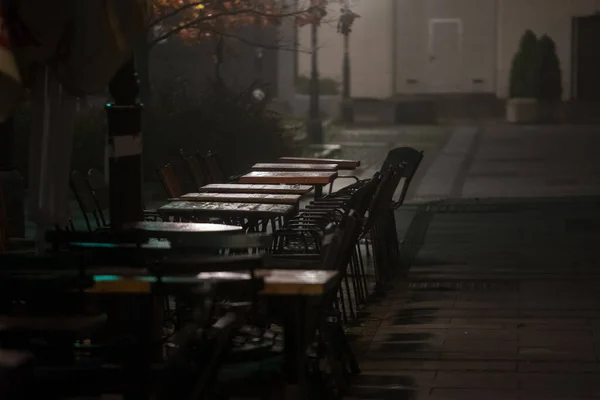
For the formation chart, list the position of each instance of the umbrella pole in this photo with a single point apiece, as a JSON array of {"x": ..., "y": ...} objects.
[{"x": 125, "y": 148}]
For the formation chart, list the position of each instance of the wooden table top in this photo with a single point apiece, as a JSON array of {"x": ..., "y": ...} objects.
[
  {"x": 349, "y": 165},
  {"x": 294, "y": 167},
  {"x": 182, "y": 227},
  {"x": 177, "y": 242},
  {"x": 225, "y": 209},
  {"x": 291, "y": 199},
  {"x": 276, "y": 282},
  {"x": 302, "y": 178},
  {"x": 249, "y": 188}
]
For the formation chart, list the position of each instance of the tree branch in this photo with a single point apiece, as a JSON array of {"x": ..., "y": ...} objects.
[
  {"x": 256, "y": 44},
  {"x": 212, "y": 17}
]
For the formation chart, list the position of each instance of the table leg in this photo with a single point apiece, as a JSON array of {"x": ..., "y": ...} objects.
[
  {"x": 318, "y": 191},
  {"x": 295, "y": 350}
]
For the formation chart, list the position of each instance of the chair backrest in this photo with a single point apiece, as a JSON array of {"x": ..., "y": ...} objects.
[
  {"x": 170, "y": 181},
  {"x": 362, "y": 198},
  {"x": 196, "y": 169},
  {"x": 100, "y": 191},
  {"x": 214, "y": 168},
  {"x": 85, "y": 199},
  {"x": 411, "y": 159},
  {"x": 338, "y": 247},
  {"x": 383, "y": 198}
]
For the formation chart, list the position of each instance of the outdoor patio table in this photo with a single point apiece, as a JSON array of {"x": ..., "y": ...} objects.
[
  {"x": 348, "y": 165},
  {"x": 251, "y": 212},
  {"x": 244, "y": 188},
  {"x": 294, "y": 167},
  {"x": 318, "y": 179},
  {"x": 290, "y": 199},
  {"x": 295, "y": 285}
]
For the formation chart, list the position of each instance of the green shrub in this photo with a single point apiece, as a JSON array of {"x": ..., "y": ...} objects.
[
  {"x": 327, "y": 86},
  {"x": 548, "y": 82},
  {"x": 522, "y": 76}
]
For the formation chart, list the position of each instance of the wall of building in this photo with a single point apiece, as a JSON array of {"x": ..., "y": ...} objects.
[
  {"x": 551, "y": 17},
  {"x": 420, "y": 69},
  {"x": 383, "y": 66}
]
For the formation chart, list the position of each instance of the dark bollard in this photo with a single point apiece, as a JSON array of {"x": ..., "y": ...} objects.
[{"x": 125, "y": 148}]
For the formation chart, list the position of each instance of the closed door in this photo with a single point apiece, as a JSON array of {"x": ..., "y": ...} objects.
[
  {"x": 586, "y": 76},
  {"x": 445, "y": 56}
]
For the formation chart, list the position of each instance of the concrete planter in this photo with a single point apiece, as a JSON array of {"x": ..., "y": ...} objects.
[{"x": 522, "y": 111}]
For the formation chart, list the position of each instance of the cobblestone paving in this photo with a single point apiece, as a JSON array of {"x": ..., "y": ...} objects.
[{"x": 502, "y": 302}]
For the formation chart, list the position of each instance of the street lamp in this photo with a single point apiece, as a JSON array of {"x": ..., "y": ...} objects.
[
  {"x": 345, "y": 22},
  {"x": 315, "y": 126}
]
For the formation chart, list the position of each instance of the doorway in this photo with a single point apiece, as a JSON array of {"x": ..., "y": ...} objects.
[
  {"x": 586, "y": 59},
  {"x": 444, "y": 64}
]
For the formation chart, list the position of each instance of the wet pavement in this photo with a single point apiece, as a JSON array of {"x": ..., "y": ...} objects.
[{"x": 502, "y": 299}]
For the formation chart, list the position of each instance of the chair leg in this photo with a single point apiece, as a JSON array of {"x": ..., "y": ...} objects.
[
  {"x": 363, "y": 274},
  {"x": 350, "y": 357},
  {"x": 342, "y": 305},
  {"x": 350, "y": 308}
]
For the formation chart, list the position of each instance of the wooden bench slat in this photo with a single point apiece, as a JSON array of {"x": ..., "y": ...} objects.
[
  {"x": 291, "y": 199},
  {"x": 303, "y": 178},
  {"x": 254, "y": 188},
  {"x": 342, "y": 164}
]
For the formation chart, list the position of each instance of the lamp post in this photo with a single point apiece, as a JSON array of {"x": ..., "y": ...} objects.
[
  {"x": 345, "y": 22},
  {"x": 314, "y": 125}
]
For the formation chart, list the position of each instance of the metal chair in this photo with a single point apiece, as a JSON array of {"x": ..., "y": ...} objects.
[
  {"x": 170, "y": 181},
  {"x": 196, "y": 169}
]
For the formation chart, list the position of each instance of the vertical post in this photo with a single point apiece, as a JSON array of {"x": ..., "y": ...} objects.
[
  {"x": 315, "y": 126},
  {"x": 347, "y": 106},
  {"x": 7, "y": 140},
  {"x": 125, "y": 148},
  {"x": 11, "y": 182}
]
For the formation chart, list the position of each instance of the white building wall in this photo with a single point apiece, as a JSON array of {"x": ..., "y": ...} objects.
[
  {"x": 490, "y": 33},
  {"x": 551, "y": 17},
  {"x": 470, "y": 69}
]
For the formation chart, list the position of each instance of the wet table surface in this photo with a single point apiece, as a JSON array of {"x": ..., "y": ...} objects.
[
  {"x": 348, "y": 165},
  {"x": 276, "y": 282},
  {"x": 216, "y": 209},
  {"x": 294, "y": 167},
  {"x": 291, "y": 199},
  {"x": 253, "y": 188},
  {"x": 302, "y": 178},
  {"x": 181, "y": 227}
]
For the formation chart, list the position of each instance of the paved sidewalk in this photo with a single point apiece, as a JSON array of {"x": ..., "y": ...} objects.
[
  {"x": 502, "y": 302},
  {"x": 515, "y": 161}
]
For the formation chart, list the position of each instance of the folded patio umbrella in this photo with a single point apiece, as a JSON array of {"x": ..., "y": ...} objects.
[{"x": 51, "y": 141}]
